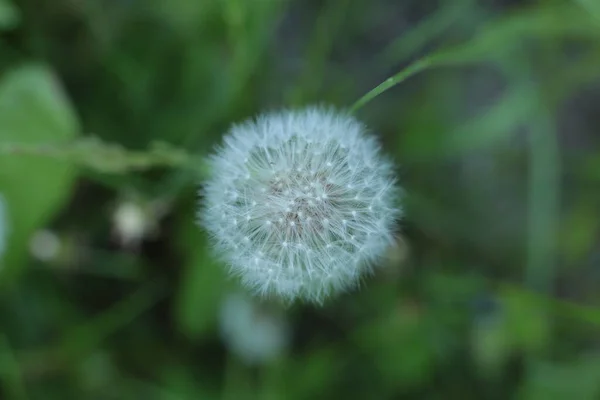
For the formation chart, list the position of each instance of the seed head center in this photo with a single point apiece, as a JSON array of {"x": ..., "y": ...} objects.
[{"x": 298, "y": 200}]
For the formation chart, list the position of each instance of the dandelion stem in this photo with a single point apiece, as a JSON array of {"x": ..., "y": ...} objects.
[
  {"x": 389, "y": 83},
  {"x": 460, "y": 55}
]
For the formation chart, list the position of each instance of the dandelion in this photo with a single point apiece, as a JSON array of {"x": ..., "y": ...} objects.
[{"x": 300, "y": 203}]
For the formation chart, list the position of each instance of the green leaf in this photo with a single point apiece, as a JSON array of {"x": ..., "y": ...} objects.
[
  {"x": 9, "y": 15},
  {"x": 400, "y": 344},
  {"x": 527, "y": 324},
  {"x": 33, "y": 110},
  {"x": 591, "y": 6},
  {"x": 202, "y": 282}
]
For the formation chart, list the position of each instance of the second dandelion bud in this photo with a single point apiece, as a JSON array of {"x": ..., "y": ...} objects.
[{"x": 300, "y": 203}]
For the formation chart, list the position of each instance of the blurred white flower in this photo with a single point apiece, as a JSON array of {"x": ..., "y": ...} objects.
[
  {"x": 256, "y": 335},
  {"x": 3, "y": 225},
  {"x": 134, "y": 221},
  {"x": 300, "y": 203},
  {"x": 130, "y": 223},
  {"x": 44, "y": 245}
]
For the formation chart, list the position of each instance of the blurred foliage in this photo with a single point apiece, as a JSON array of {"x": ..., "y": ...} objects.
[
  {"x": 490, "y": 108},
  {"x": 33, "y": 110}
]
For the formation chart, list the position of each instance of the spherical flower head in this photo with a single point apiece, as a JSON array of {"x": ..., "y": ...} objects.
[{"x": 300, "y": 203}]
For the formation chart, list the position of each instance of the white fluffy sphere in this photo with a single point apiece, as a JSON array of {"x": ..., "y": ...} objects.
[{"x": 300, "y": 203}]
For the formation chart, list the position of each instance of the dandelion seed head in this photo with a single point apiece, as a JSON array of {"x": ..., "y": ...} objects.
[{"x": 305, "y": 194}]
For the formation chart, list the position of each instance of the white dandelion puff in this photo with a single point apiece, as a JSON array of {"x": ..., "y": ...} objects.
[{"x": 300, "y": 203}]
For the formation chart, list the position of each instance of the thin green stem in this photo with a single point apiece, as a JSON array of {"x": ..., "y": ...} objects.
[
  {"x": 389, "y": 83},
  {"x": 543, "y": 206},
  {"x": 104, "y": 157}
]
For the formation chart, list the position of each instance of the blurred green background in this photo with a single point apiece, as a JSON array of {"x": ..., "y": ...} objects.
[{"x": 108, "y": 289}]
